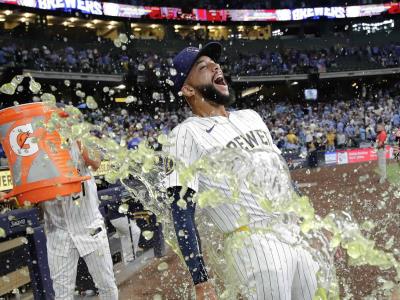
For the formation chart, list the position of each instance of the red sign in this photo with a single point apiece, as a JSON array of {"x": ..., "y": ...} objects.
[
  {"x": 394, "y": 8},
  {"x": 360, "y": 155}
]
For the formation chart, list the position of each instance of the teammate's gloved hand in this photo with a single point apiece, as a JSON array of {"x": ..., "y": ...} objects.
[{"x": 205, "y": 291}]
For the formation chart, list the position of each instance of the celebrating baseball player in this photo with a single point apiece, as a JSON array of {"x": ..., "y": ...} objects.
[
  {"x": 75, "y": 228},
  {"x": 269, "y": 267}
]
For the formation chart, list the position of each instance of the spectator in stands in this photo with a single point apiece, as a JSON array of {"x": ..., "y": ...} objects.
[
  {"x": 330, "y": 140},
  {"x": 341, "y": 140},
  {"x": 292, "y": 140}
]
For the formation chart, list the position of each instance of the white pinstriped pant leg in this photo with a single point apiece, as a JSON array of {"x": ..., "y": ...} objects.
[
  {"x": 128, "y": 237},
  {"x": 63, "y": 271},
  {"x": 274, "y": 270},
  {"x": 263, "y": 270},
  {"x": 305, "y": 280},
  {"x": 100, "y": 266}
]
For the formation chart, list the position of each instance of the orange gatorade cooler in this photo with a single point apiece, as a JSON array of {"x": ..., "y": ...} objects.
[{"x": 41, "y": 170}]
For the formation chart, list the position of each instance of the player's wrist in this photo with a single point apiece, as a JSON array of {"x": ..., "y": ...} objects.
[
  {"x": 200, "y": 281},
  {"x": 205, "y": 290}
]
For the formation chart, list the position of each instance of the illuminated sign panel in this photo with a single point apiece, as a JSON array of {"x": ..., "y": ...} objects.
[
  {"x": 308, "y": 13},
  {"x": 126, "y": 11},
  {"x": 88, "y": 6},
  {"x": 222, "y": 15},
  {"x": 210, "y": 15},
  {"x": 358, "y": 11}
]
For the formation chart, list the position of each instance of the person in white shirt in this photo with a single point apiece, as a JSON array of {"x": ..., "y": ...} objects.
[{"x": 75, "y": 228}]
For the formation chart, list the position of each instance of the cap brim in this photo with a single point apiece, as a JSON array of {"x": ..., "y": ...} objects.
[{"x": 213, "y": 50}]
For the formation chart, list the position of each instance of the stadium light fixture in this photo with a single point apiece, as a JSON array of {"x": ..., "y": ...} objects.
[
  {"x": 138, "y": 29},
  {"x": 121, "y": 87},
  {"x": 295, "y": 83},
  {"x": 8, "y": 12},
  {"x": 251, "y": 91},
  {"x": 177, "y": 26},
  {"x": 277, "y": 32}
]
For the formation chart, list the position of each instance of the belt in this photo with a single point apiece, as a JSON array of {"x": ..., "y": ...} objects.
[{"x": 244, "y": 228}]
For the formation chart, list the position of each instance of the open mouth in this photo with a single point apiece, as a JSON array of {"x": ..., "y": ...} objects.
[{"x": 219, "y": 79}]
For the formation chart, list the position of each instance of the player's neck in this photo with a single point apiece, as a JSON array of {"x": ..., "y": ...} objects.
[{"x": 207, "y": 109}]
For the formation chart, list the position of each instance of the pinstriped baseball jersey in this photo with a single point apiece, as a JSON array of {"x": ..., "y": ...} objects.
[
  {"x": 74, "y": 217},
  {"x": 243, "y": 129}
]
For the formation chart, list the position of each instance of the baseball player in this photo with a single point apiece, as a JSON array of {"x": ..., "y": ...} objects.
[
  {"x": 269, "y": 267},
  {"x": 75, "y": 228}
]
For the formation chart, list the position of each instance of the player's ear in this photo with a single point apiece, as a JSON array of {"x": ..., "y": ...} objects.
[{"x": 187, "y": 91}]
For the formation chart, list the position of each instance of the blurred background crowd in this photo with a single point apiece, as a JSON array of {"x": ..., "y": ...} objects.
[{"x": 280, "y": 61}]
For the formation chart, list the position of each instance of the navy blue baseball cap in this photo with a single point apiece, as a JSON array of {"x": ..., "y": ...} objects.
[{"x": 184, "y": 61}]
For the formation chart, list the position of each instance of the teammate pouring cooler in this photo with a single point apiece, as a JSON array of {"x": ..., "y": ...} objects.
[{"x": 270, "y": 267}]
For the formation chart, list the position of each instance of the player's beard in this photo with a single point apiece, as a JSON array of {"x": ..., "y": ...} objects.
[{"x": 211, "y": 94}]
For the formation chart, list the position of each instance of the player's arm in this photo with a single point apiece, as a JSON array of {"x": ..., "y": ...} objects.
[
  {"x": 93, "y": 159},
  {"x": 182, "y": 147},
  {"x": 187, "y": 234}
]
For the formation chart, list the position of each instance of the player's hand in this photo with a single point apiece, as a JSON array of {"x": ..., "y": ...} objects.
[
  {"x": 2, "y": 195},
  {"x": 205, "y": 291}
]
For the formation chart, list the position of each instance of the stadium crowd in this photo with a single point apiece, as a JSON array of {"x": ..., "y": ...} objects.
[
  {"x": 285, "y": 61},
  {"x": 293, "y": 126}
]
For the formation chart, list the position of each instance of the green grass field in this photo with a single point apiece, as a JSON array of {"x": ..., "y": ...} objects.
[{"x": 393, "y": 172}]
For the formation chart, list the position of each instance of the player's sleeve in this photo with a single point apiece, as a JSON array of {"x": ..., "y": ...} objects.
[
  {"x": 181, "y": 148},
  {"x": 187, "y": 234}
]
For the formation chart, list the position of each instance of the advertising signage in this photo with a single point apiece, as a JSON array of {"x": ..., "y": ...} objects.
[
  {"x": 85, "y": 6},
  {"x": 222, "y": 15},
  {"x": 343, "y": 157},
  {"x": 317, "y": 12}
]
